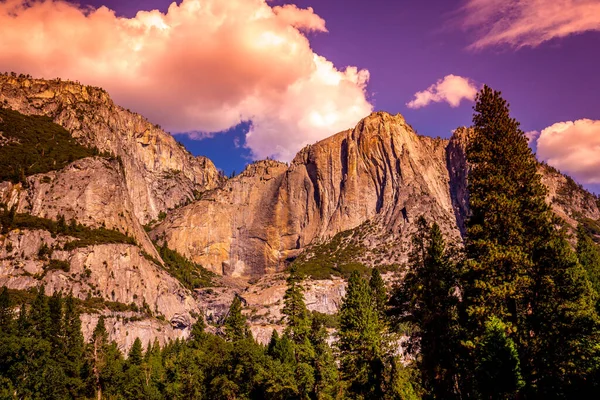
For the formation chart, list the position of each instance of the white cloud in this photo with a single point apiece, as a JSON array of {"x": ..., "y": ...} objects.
[
  {"x": 452, "y": 89},
  {"x": 519, "y": 23},
  {"x": 573, "y": 147},
  {"x": 204, "y": 66}
]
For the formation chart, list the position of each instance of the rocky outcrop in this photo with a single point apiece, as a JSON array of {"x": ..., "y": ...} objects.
[
  {"x": 381, "y": 171},
  {"x": 263, "y": 302},
  {"x": 92, "y": 191},
  {"x": 159, "y": 173},
  {"x": 117, "y": 273}
]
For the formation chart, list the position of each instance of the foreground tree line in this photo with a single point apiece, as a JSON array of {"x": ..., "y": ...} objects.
[
  {"x": 43, "y": 354},
  {"x": 512, "y": 315}
]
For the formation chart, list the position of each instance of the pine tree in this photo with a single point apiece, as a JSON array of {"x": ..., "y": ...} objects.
[
  {"x": 6, "y": 313},
  {"x": 498, "y": 368},
  {"x": 97, "y": 355},
  {"x": 325, "y": 371},
  {"x": 136, "y": 353},
  {"x": 506, "y": 199},
  {"x": 588, "y": 254},
  {"x": 520, "y": 268},
  {"x": 281, "y": 348},
  {"x": 360, "y": 343},
  {"x": 198, "y": 334},
  {"x": 236, "y": 327},
  {"x": 297, "y": 317},
  {"x": 56, "y": 333},
  {"x": 74, "y": 346},
  {"x": 39, "y": 316},
  {"x": 379, "y": 292},
  {"x": 427, "y": 300}
]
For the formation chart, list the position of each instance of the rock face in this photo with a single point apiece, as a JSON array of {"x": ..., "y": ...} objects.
[
  {"x": 92, "y": 191},
  {"x": 368, "y": 184},
  {"x": 159, "y": 173},
  {"x": 380, "y": 171}
]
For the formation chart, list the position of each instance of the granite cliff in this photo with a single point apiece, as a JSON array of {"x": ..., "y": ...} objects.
[{"x": 348, "y": 201}]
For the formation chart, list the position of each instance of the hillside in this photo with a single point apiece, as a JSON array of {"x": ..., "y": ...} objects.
[{"x": 85, "y": 208}]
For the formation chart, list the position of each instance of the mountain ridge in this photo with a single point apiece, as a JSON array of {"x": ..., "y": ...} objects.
[{"x": 361, "y": 187}]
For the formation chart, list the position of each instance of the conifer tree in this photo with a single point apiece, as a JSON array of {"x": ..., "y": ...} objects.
[
  {"x": 97, "y": 355},
  {"x": 379, "y": 292},
  {"x": 297, "y": 317},
  {"x": 508, "y": 213},
  {"x": 360, "y": 343},
  {"x": 6, "y": 313},
  {"x": 236, "y": 327},
  {"x": 588, "y": 254},
  {"x": 74, "y": 346},
  {"x": 498, "y": 368},
  {"x": 56, "y": 333},
  {"x": 520, "y": 268},
  {"x": 197, "y": 333},
  {"x": 39, "y": 315},
  {"x": 325, "y": 371},
  {"x": 136, "y": 353},
  {"x": 427, "y": 300}
]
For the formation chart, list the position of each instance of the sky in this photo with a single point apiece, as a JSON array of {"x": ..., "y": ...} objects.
[{"x": 239, "y": 80}]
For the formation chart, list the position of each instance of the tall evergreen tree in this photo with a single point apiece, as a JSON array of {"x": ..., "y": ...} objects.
[
  {"x": 6, "y": 313},
  {"x": 361, "y": 343},
  {"x": 297, "y": 317},
  {"x": 427, "y": 300},
  {"x": 379, "y": 292},
  {"x": 56, "y": 332},
  {"x": 520, "y": 269},
  {"x": 136, "y": 353},
  {"x": 588, "y": 254},
  {"x": 97, "y": 356},
  {"x": 39, "y": 315},
  {"x": 236, "y": 327},
  {"x": 508, "y": 213},
  {"x": 325, "y": 372},
  {"x": 74, "y": 346}
]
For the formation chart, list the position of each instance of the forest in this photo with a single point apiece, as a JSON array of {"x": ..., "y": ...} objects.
[{"x": 512, "y": 314}]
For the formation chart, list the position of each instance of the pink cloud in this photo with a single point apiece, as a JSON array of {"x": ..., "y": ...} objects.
[
  {"x": 204, "y": 66},
  {"x": 573, "y": 147},
  {"x": 304, "y": 19},
  {"x": 451, "y": 89},
  {"x": 520, "y": 23}
]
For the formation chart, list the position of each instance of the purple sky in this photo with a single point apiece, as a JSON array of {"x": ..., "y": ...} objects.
[{"x": 409, "y": 45}]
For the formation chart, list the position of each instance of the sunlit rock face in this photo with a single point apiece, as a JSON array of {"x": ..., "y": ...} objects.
[
  {"x": 373, "y": 181},
  {"x": 159, "y": 173},
  {"x": 381, "y": 171}
]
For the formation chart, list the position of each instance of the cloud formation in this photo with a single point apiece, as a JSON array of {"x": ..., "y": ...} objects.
[
  {"x": 452, "y": 89},
  {"x": 519, "y": 23},
  {"x": 573, "y": 147},
  {"x": 204, "y": 66}
]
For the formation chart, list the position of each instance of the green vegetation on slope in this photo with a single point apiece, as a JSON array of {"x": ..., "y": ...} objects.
[
  {"x": 89, "y": 305},
  {"x": 85, "y": 236},
  {"x": 336, "y": 257},
  {"x": 34, "y": 144},
  {"x": 190, "y": 274}
]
